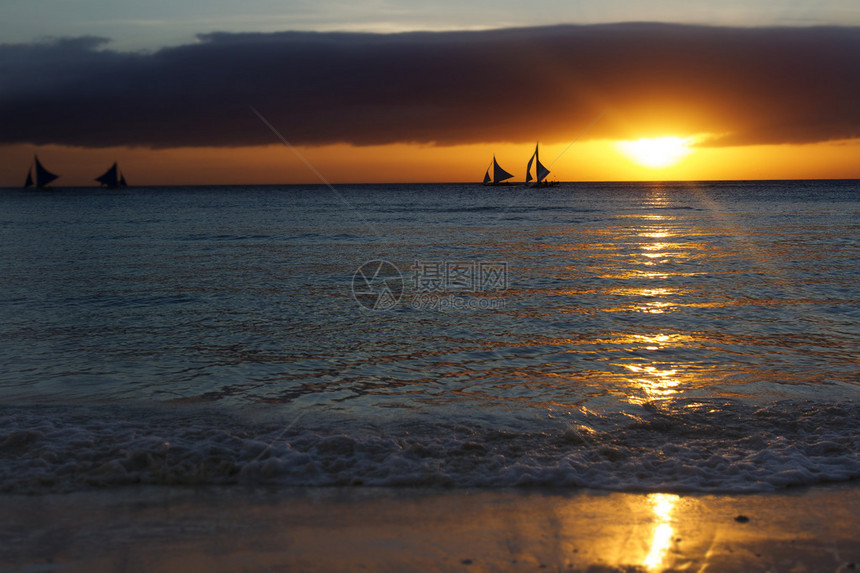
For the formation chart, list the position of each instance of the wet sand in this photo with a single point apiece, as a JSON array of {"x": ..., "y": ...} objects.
[{"x": 367, "y": 529}]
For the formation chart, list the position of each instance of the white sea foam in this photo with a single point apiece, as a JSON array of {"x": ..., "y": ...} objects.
[{"x": 687, "y": 447}]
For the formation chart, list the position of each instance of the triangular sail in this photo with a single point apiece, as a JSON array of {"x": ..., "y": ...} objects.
[
  {"x": 43, "y": 176},
  {"x": 122, "y": 182},
  {"x": 487, "y": 176},
  {"x": 109, "y": 177},
  {"x": 542, "y": 172},
  {"x": 529, "y": 168},
  {"x": 499, "y": 174},
  {"x": 29, "y": 182}
]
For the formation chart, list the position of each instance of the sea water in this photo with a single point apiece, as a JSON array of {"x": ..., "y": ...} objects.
[{"x": 638, "y": 336}]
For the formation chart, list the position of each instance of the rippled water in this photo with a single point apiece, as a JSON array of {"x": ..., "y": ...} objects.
[{"x": 656, "y": 336}]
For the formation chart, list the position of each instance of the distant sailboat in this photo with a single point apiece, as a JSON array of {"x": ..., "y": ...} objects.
[
  {"x": 500, "y": 176},
  {"x": 112, "y": 178},
  {"x": 541, "y": 172},
  {"x": 43, "y": 177}
]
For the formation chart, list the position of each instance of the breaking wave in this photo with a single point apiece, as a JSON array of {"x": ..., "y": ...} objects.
[{"x": 679, "y": 447}]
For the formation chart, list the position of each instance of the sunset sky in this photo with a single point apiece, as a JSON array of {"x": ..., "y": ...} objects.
[{"x": 405, "y": 91}]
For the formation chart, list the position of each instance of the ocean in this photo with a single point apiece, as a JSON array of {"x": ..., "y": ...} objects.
[{"x": 665, "y": 337}]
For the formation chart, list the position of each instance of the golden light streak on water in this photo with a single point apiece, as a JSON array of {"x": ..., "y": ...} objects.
[
  {"x": 662, "y": 506},
  {"x": 654, "y": 382}
]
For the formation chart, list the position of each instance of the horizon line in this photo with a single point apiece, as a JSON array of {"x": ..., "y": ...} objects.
[{"x": 478, "y": 183}]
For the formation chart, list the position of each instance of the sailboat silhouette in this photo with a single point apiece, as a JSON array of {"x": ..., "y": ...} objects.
[
  {"x": 541, "y": 172},
  {"x": 112, "y": 178},
  {"x": 500, "y": 176},
  {"x": 42, "y": 178}
]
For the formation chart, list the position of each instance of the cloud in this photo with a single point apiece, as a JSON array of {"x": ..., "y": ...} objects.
[{"x": 745, "y": 85}]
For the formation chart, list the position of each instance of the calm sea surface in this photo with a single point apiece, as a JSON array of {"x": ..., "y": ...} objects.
[{"x": 675, "y": 337}]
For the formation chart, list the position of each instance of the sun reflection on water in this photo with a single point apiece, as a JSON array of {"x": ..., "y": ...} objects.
[
  {"x": 662, "y": 505},
  {"x": 655, "y": 342},
  {"x": 656, "y": 307},
  {"x": 655, "y": 382}
]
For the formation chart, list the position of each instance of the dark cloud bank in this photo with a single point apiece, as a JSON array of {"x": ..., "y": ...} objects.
[{"x": 753, "y": 85}]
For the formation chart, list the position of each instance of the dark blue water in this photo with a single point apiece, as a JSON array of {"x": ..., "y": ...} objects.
[{"x": 685, "y": 336}]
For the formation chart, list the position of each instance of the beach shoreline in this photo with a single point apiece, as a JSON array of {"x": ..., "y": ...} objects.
[{"x": 412, "y": 529}]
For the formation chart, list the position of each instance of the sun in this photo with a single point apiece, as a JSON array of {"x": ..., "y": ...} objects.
[{"x": 657, "y": 152}]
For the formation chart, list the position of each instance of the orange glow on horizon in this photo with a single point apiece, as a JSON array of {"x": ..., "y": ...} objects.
[{"x": 599, "y": 160}]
